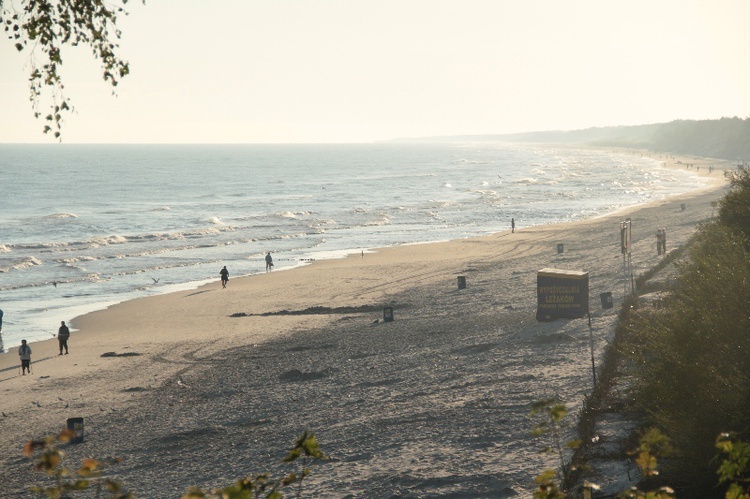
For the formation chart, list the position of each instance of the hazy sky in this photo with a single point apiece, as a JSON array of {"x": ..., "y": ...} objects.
[{"x": 359, "y": 71}]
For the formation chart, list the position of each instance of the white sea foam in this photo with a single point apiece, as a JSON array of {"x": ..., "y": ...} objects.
[
  {"x": 25, "y": 263},
  {"x": 61, "y": 215},
  {"x": 75, "y": 260}
]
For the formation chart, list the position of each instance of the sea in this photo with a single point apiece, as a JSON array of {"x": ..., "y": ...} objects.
[{"x": 83, "y": 227}]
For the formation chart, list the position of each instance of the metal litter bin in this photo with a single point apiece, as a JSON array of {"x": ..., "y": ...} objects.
[
  {"x": 388, "y": 314},
  {"x": 606, "y": 300},
  {"x": 76, "y": 425},
  {"x": 461, "y": 282},
  {"x": 560, "y": 248}
]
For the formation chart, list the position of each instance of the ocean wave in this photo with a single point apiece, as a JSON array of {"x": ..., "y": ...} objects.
[
  {"x": 39, "y": 246},
  {"x": 465, "y": 161},
  {"x": 4, "y": 249},
  {"x": 21, "y": 263},
  {"x": 485, "y": 192},
  {"x": 527, "y": 181},
  {"x": 177, "y": 236},
  {"x": 205, "y": 231},
  {"x": 216, "y": 221},
  {"x": 61, "y": 215},
  {"x": 72, "y": 246},
  {"x": 105, "y": 241},
  {"x": 384, "y": 220},
  {"x": 292, "y": 214},
  {"x": 442, "y": 204},
  {"x": 76, "y": 259}
]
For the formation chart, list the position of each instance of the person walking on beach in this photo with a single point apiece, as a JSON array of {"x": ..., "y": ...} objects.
[
  {"x": 512, "y": 225},
  {"x": 62, "y": 337},
  {"x": 1, "y": 320},
  {"x": 664, "y": 240},
  {"x": 269, "y": 262},
  {"x": 224, "y": 273},
  {"x": 24, "y": 352}
]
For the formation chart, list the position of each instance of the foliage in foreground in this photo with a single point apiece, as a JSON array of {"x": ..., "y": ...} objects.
[
  {"x": 42, "y": 28},
  {"x": 733, "y": 470},
  {"x": 67, "y": 481},
  {"x": 305, "y": 448},
  {"x": 89, "y": 477},
  {"x": 694, "y": 367},
  {"x": 551, "y": 422}
]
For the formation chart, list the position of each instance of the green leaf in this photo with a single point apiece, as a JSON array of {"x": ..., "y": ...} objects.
[{"x": 573, "y": 444}]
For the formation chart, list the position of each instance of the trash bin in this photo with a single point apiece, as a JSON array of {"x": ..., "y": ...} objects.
[
  {"x": 461, "y": 282},
  {"x": 388, "y": 314},
  {"x": 682, "y": 207},
  {"x": 76, "y": 425},
  {"x": 606, "y": 300},
  {"x": 560, "y": 248}
]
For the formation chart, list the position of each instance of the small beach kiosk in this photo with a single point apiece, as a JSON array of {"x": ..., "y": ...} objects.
[{"x": 561, "y": 294}]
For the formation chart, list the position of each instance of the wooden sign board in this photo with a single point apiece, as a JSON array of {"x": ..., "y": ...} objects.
[{"x": 561, "y": 294}]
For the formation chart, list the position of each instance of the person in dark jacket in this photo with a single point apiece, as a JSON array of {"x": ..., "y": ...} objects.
[
  {"x": 224, "y": 273},
  {"x": 62, "y": 337}
]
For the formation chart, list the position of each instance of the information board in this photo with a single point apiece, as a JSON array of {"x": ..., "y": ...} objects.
[{"x": 561, "y": 294}]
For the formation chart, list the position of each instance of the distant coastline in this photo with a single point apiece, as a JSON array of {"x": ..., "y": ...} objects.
[{"x": 726, "y": 138}]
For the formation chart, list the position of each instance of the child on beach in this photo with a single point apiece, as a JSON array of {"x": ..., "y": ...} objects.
[{"x": 24, "y": 352}]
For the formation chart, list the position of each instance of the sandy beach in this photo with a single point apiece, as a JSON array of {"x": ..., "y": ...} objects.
[{"x": 205, "y": 386}]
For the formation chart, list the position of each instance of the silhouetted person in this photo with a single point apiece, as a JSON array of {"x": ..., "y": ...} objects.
[
  {"x": 24, "y": 352},
  {"x": 269, "y": 262},
  {"x": 62, "y": 337},
  {"x": 224, "y": 273},
  {"x": 512, "y": 225}
]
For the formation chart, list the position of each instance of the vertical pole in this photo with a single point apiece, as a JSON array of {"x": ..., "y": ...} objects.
[
  {"x": 632, "y": 277},
  {"x": 625, "y": 281},
  {"x": 591, "y": 343}
]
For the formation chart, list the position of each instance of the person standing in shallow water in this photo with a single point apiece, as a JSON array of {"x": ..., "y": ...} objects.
[
  {"x": 512, "y": 225},
  {"x": 269, "y": 262},
  {"x": 24, "y": 352},
  {"x": 224, "y": 273},
  {"x": 62, "y": 337}
]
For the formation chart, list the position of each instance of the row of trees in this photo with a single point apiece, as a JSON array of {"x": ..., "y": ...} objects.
[
  {"x": 727, "y": 138},
  {"x": 693, "y": 354}
]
